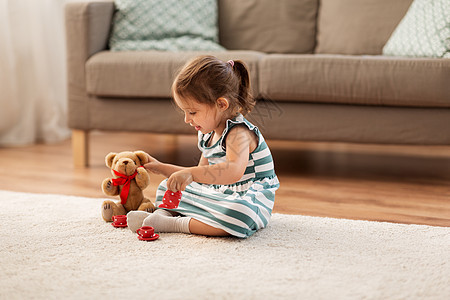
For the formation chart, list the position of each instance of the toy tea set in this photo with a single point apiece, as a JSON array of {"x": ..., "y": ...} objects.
[
  {"x": 147, "y": 233},
  {"x": 129, "y": 180}
]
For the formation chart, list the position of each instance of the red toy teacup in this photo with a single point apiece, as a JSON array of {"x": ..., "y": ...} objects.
[
  {"x": 147, "y": 233},
  {"x": 119, "y": 221},
  {"x": 170, "y": 199}
]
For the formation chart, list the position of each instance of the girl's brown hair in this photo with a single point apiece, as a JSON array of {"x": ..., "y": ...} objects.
[{"x": 206, "y": 79}]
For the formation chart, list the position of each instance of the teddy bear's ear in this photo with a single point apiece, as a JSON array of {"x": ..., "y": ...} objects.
[
  {"x": 109, "y": 159},
  {"x": 143, "y": 157}
]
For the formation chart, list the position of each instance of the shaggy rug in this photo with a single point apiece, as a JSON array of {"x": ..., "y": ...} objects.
[{"x": 58, "y": 247}]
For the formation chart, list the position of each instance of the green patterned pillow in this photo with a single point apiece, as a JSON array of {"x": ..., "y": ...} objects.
[
  {"x": 423, "y": 32},
  {"x": 168, "y": 25}
]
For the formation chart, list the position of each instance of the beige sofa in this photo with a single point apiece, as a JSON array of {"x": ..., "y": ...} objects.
[{"x": 316, "y": 70}]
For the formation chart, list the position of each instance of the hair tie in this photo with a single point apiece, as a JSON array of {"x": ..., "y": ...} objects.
[{"x": 231, "y": 62}]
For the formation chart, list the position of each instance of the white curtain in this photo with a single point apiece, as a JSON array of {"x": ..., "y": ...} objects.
[{"x": 33, "y": 100}]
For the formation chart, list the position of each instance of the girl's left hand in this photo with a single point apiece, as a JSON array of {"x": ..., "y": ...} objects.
[{"x": 178, "y": 181}]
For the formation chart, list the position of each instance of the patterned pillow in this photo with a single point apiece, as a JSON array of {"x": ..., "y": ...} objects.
[
  {"x": 423, "y": 32},
  {"x": 168, "y": 25}
]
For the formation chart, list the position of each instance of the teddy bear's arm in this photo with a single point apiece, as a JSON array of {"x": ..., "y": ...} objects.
[
  {"x": 109, "y": 189},
  {"x": 142, "y": 178}
]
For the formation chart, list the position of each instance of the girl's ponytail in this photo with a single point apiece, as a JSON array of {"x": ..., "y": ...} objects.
[{"x": 245, "y": 98}]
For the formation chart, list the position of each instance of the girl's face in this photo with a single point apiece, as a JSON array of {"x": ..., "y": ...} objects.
[{"x": 202, "y": 117}]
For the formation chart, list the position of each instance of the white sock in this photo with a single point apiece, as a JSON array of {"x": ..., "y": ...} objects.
[
  {"x": 135, "y": 218},
  {"x": 163, "y": 221}
]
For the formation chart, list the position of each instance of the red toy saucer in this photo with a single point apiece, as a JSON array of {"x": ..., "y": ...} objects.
[
  {"x": 154, "y": 237},
  {"x": 119, "y": 225}
]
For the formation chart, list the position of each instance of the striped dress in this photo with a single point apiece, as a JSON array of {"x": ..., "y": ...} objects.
[{"x": 240, "y": 208}]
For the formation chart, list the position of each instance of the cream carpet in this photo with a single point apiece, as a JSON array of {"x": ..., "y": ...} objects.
[{"x": 58, "y": 247}]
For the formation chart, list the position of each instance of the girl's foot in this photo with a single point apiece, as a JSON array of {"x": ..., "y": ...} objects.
[
  {"x": 163, "y": 221},
  {"x": 135, "y": 218}
]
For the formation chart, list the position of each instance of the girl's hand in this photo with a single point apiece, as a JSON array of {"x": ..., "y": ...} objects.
[
  {"x": 179, "y": 180},
  {"x": 153, "y": 165}
]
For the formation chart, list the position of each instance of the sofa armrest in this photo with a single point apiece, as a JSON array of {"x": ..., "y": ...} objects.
[
  {"x": 87, "y": 31},
  {"x": 87, "y": 27}
]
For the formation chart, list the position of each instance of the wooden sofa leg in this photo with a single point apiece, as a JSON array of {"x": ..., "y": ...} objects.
[{"x": 80, "y": 148}]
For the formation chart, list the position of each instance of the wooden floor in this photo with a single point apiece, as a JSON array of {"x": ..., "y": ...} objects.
[{"x": 404, "y": 184}]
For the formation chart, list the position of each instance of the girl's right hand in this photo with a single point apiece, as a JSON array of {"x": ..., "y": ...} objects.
[
  {"x": 179, "y": 180},
  {"x": 153, "y": 165}
]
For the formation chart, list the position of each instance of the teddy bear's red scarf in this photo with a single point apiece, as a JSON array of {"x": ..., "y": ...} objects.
[{"x": 125, "y": 181}]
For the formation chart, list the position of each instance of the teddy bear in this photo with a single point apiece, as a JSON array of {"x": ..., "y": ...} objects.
[{"x": 129, "y": 180}]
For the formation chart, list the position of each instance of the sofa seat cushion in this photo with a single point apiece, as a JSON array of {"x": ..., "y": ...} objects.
[
  {"x": 369, "y": 80},
  {"x": 149, "y": 74}
]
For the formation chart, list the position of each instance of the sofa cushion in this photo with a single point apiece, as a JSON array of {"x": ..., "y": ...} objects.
[
  {"x": 371, "y": 80},
  {"x": 156, "y": 25},
  {"x": 282, "y": 26},
  {"x": 357, "y": 26},
  {"x": 150, "y": 73},
  {"x": 351, "y": 123},
  {"x": 423, "y": 32}
]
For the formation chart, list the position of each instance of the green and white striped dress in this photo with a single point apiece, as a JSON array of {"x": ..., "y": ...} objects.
[{"x": 241, "y": 208}]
